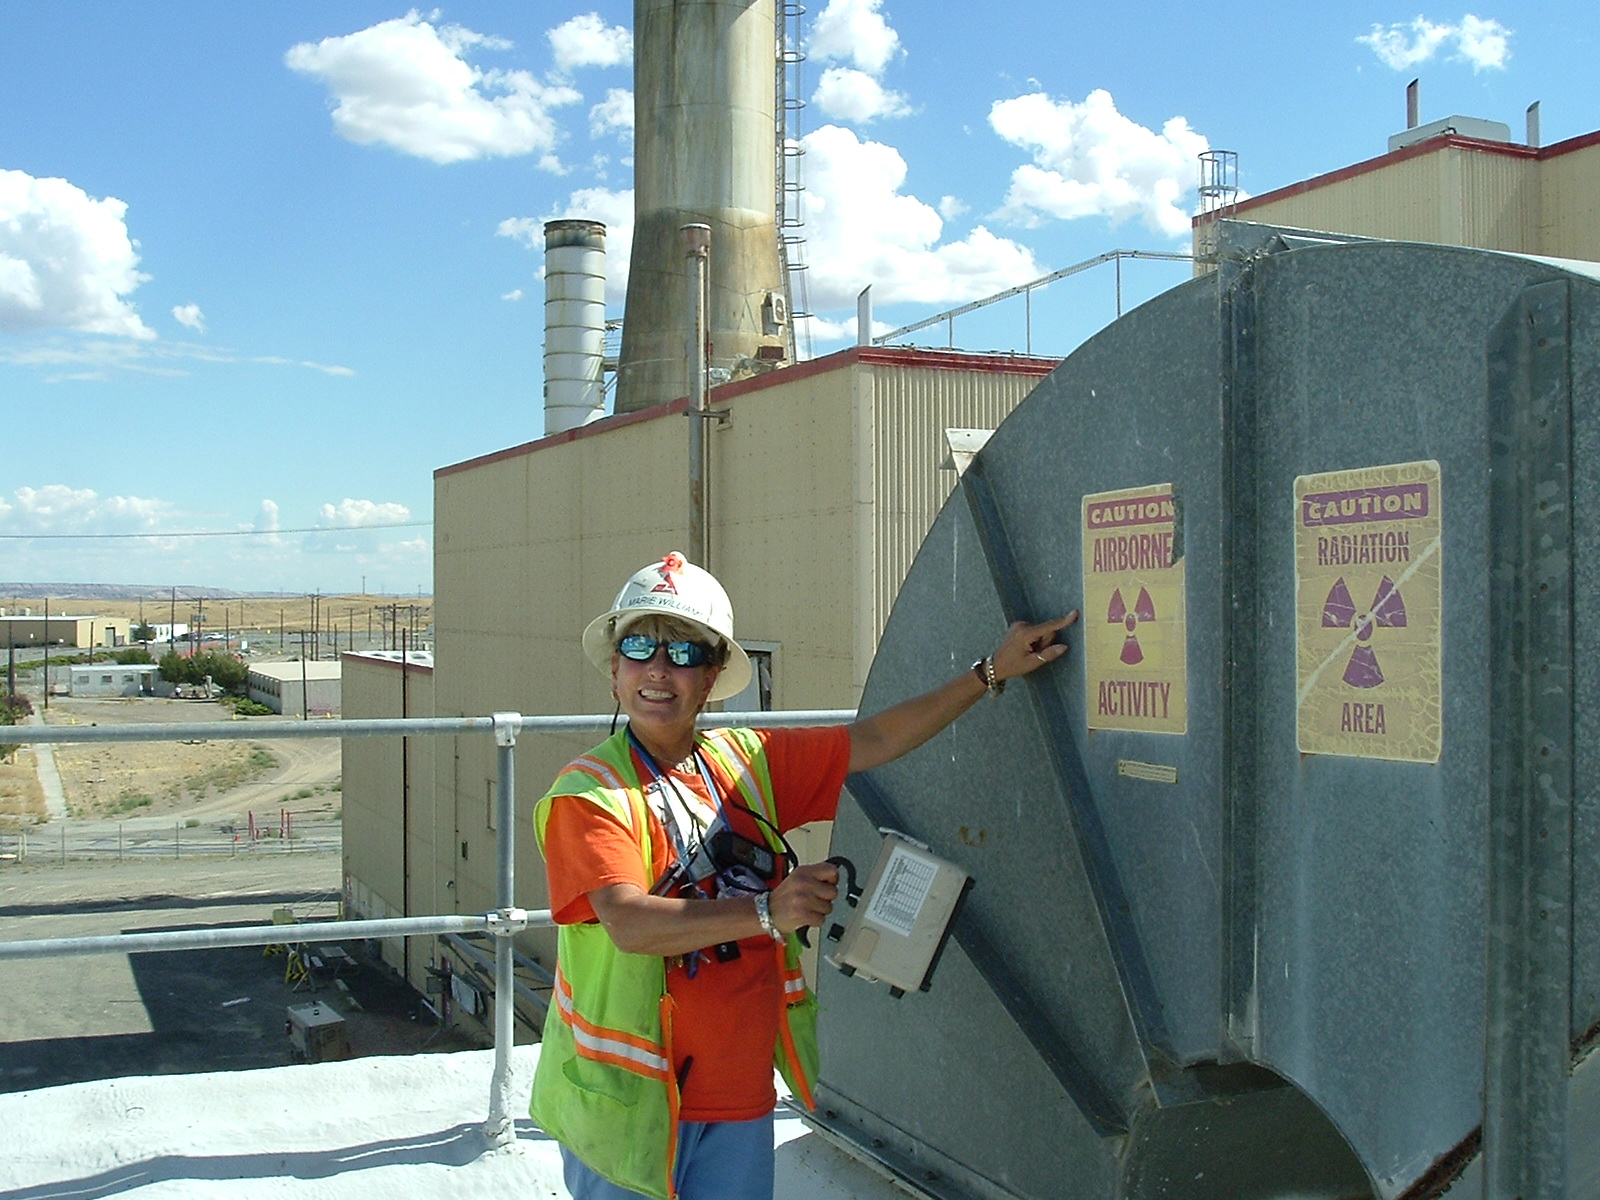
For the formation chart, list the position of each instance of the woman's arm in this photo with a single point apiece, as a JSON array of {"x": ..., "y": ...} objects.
[
  {"x": 885, "y": 736},
  {"x": 640, "y": 923}
]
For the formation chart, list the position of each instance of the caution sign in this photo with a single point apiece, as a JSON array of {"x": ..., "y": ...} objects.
[
  {"x": 1133, "y": 611},
  {"x": 1367, "y": 600}
]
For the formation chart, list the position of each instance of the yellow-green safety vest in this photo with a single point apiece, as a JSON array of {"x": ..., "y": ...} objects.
[{"x": 604, "y": 1086}]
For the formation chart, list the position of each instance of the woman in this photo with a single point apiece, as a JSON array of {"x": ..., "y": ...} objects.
[{"x": 678, "y": 982}]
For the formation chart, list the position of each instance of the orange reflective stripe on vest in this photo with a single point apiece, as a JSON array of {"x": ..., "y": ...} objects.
[{"x": 614, "y": 1046}]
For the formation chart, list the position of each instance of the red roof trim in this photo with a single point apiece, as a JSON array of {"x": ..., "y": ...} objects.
[
  {"x": 1415, "y": 150},
  {"x": 889, "y": 356}
]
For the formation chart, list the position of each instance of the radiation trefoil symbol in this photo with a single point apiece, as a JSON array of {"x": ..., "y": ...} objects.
[
  {"x": 1339, "y": 612},
  {"x": 1144, "y": 609}
]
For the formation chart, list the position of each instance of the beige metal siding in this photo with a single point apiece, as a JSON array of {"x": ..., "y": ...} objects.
[
  {"x": 1505, "y": 199},
  {"x": 1569, "y": 224},
  {"x": 1499, "y": 201},
  {"x": 373, "y": 784},
  {"x": 913, "y": 409},
  {"x": 1406, "y": 201}
]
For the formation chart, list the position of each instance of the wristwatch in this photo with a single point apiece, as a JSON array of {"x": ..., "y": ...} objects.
[{"x": 764, "y": 915}]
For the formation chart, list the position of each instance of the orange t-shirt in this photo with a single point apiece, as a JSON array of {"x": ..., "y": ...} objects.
[{"x": 725, "y": 1020}]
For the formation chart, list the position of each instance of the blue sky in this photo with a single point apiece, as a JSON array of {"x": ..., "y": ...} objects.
[{"x": 263, "y": 267}]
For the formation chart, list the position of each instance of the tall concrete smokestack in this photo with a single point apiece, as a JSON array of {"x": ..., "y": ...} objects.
[
  {"x": 574, "y": 323},
  {"x": 704, "y": 152}
]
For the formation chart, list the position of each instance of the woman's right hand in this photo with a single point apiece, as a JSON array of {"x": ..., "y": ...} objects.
[{"x": 805, "y": 898}]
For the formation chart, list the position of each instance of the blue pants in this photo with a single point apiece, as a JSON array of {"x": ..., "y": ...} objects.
[{"x": 720, "y": 1160}]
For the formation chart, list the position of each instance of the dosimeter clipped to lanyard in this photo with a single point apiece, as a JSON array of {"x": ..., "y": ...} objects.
[{"x": 899, "y": 922}]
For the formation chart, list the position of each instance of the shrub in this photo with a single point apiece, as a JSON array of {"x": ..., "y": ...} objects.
[{"x": 226, "y": 671}]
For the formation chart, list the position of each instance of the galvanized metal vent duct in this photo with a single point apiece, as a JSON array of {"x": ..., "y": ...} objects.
[
  {"x": 1288, "y": 880},
  {"x": 574, "y": 324}
]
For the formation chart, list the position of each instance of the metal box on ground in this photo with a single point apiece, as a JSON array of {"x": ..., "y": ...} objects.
[
  {"x": 1290, "y": 870},
  {"x": 317, "y": 1032}
]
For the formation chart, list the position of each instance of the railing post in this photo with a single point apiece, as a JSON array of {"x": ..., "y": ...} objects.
[{"x": 499, "y": 1129}]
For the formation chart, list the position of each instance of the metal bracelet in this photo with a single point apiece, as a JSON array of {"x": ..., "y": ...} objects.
[
  {"x": 764, "y": 915},
  {"x": 993, "y": 682}
]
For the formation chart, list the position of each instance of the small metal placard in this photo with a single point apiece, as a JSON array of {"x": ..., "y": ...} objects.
[{"x": 1153, "y": 772}]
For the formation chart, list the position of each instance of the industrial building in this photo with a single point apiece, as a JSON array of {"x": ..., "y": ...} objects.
[
  {"x": 296, "y": 689},
  {"x": 114, "y": 679},
  {"x": 1459, "y": 181},
  {"x": 84, "y": 632}
]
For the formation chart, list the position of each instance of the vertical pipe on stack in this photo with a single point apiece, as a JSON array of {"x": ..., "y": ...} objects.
[
  {"x": 704, "y": 152},
  {"x": 697, "y": 254},
  {"x": 574, "y": 323}
]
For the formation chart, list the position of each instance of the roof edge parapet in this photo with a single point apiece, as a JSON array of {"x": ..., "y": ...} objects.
[{"x": 935, "y": 359}]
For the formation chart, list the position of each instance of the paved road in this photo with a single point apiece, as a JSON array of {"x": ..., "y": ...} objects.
[{"x": 104, "y": 1016}]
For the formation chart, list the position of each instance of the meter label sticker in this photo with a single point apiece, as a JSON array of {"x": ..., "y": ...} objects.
[
  {"x": 902, "y": 891},
  {"x": 1133, "y": 611},
  {"x": 1367, "y": 608}
]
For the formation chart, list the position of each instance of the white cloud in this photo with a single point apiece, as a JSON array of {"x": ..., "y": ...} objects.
[
  {"x": 513, "y": 294},
  {"x": 66, "y": 260},
  {"x": 268, "y": 522},
  {"x": 1481, "y": 42},
  {"x": 57, "y": 508},
  {"x": 854, "y": 31},
  {"x": 825, "y": 331},
  {"x": 102, "y": 359},
  {"x": 862, "y": 230},
  {"x": 612, "y": 209},
  {"x": 363, "y": 514},
  {"x": 1090, "y": 160},
  {"x": 614, "y": 114},
  {"x": 190, "y": 315},
  {"x": 353, "y": 527},
  {"x": 852, "y": 95},
  {"x": 951, "y": 207},
  {"x": 406, "y": 84},
  {"x": 586, "y": 41}
]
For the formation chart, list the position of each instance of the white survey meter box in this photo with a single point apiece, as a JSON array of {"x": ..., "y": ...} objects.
[{"x": 899, "y": 926}]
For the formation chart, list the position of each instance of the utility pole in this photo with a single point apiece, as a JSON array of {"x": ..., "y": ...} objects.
[
  {"x": 305, "y": 715},
  {"x": 47, "y": 655},
  {"x": 172, "y": 625}
]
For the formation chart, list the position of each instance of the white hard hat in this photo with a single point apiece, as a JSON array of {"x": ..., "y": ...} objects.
[{"x": 673, "y": 587}]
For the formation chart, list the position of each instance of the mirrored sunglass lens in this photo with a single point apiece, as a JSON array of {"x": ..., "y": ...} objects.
[
  {"x": 686, "y": 654},
  {"x": 638, "y": 647}
]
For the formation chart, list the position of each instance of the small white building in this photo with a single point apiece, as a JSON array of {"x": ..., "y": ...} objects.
[
  {"x": 118, "y": 679},
  {"x": 299, "y": 688}
]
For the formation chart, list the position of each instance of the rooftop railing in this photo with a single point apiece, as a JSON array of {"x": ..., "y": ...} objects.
[{"x": 502, "y": 924}]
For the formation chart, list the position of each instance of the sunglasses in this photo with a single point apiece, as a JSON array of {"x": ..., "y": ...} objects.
[{"x": 642, "y": 648}]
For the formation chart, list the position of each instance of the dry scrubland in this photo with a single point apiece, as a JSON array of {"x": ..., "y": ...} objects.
[
  {"x": 21, "y": 797},
  {"x": 263, "y": 615},
  {"x": 190, "y": 779}
]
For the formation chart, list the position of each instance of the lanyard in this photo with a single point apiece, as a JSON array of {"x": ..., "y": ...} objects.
[{"x": 689, "y": 845}]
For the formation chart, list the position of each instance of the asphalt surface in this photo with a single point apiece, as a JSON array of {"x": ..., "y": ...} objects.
[{"x": 66, "y": 1020}]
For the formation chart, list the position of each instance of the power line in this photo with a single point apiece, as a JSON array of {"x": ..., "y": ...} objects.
[{"x": 207, "y": 533}]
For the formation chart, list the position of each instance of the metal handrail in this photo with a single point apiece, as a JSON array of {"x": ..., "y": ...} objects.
[
  {"x": 503, "y": 923},
  {"x": 1027, "y": 289},
  {"x": 249, "y": 731}
]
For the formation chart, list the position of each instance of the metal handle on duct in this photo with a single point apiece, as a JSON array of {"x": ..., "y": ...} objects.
[{"x": 852, "y": 893}]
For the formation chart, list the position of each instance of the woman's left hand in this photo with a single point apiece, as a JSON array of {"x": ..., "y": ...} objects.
[{"x": 1028, "y": 647}]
